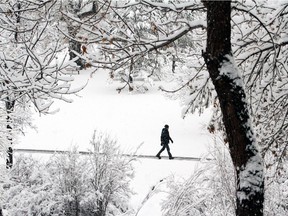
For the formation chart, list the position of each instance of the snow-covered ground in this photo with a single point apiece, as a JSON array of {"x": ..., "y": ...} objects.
[{"x": 132, "y": 118}]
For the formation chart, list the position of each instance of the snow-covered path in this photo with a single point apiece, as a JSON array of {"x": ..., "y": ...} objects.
[{"x": 132, "y": 118}]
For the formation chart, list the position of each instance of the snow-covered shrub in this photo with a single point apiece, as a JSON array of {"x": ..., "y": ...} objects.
[
  {"x": 209, "y": 191},
  {"x": 68, "y": 173},
  {"x": 276, "y": 187},
  {"x": 111, "y": 173},
  {"x": 71, "y": 183},
  {"x": 28, "y": 192},
  {"x": 94, "y": 184},
  {"x": 3, "y": 179}
]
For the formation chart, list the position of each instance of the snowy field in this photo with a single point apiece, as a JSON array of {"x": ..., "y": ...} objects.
[{"x": 131, "y": 118}]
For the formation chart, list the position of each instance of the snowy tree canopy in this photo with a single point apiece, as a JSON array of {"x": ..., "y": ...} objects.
[
  {"x": 154, "y": 40},
  {"x": 34, "y": 69},
  {"x": 131, "y": 32},
  {"x": 258, "y": 48}
]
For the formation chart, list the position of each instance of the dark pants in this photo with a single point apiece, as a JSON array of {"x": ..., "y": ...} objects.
[{"x": 163, "y": 148}]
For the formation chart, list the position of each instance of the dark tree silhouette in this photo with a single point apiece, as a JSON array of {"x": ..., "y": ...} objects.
[{"x": 230, "y": 91}]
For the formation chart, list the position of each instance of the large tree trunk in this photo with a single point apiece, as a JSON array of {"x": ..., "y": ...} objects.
[{"x": 230, "y": 90}]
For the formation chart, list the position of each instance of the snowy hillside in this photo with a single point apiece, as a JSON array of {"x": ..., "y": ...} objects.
[{"x": 132, "y": 118}]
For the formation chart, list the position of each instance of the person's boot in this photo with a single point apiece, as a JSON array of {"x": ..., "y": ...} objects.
[
  {"x": 158, "y": 156},
  {"x": 171, "y": 158}
]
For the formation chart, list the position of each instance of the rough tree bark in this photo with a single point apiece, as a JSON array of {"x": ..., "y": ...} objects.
[
  {"x": 9, "y": 109},
  {"x": 10, "y": 103},
  {"x": 230, "y": 91}
]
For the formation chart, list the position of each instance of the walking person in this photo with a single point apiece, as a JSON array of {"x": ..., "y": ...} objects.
[{"x": 165, "y": 139}]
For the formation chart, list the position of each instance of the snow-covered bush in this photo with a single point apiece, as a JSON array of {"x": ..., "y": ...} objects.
[
  {"x": 68, "y": 173},
  {"x": 276, "y": 202},
  {"x": 111, "y": 173},
  {"x": 28, "y": 191},
  {"x": 210, "y": 190},
  {"x": 71, "y": 183}
]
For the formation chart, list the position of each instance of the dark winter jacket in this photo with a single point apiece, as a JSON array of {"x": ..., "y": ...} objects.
[{"x": 165, "y": 137}]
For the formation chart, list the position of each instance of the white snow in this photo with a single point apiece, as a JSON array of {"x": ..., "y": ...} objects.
[
  {"x": 229, "y": 69},
  {"x": 132, "y": 118}
]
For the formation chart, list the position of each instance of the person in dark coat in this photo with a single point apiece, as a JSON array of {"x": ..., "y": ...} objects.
[{"x": 165, "y": 139}]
